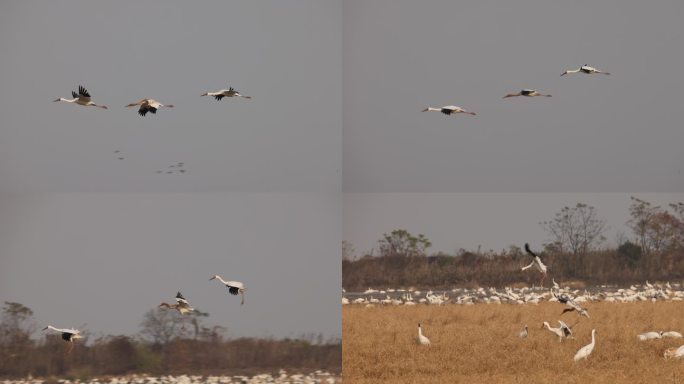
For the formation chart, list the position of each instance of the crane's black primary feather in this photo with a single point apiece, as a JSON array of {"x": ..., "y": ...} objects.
[
  {"x": 74, "y": 94},
  {"x": 66, "y": 336},
  {"x": 233, "y": 290},
  {"x": 179, "y": 296},
  {"x": 83, "y": 91},
  {"x": 219, "y": 97},
  {"x": 446, "y": 111},
  {"x": 528, "y": 250}
]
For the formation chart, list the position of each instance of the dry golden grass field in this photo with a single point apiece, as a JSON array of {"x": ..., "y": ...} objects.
[{"x": 480, "y": 344}]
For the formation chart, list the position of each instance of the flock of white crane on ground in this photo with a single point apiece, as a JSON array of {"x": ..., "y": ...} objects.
[
  {"x": 182, "y": 306},
  {"x": 571, "y": 299},
  {"x": 315, "y": 377},
  {"x": 455, "y": 109}
]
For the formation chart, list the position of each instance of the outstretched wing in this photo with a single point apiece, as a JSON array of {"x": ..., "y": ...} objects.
[
  {"x": 180, "y": 299},
  {"x": 219, "y": 97},
  {"x": 529, "y": 251},
  {"x": 83, "y": 92}
]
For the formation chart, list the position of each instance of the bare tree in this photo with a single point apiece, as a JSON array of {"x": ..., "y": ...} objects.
[
  {"x": 577, "y": 229},
  {"x": 401, "y": 243}
]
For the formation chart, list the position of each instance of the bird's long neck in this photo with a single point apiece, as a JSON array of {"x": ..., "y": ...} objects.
[
  {"x": 593, "y": 337},
  {"x": 432, "y": 109},
  {"x": 420, "y": 332},
  {"x": 68, "y": 100},
  {"x": 221, "y": 279}
]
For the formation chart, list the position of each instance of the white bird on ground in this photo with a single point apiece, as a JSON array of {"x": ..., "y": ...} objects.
[
  {"x": 585, "y": 69},
  {"x": 523, "y": 334},
  {"x": 527, "y": 93},
  {"x": 650, "y": 336},
  {"x": 585, "y": 351},
  {"x": 421, "y": 338},
  {"x": 181, "y": 305},
  {"x": 234, "y": 287},
  {"x": 536, "y": 262},
  {"x": 148, "y": 105},
  {"x": 563, "y": 331},
  {"x": 672, "y": 334},
  {"x": 68, "y": 335},
  {"x": 448, "y": 110},
  {"x": 674, "y": 352},
  {"x": 81, "y": 98},
  {"x": 230, "y": 92}
]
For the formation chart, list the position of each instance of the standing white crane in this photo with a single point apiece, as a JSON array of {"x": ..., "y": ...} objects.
[
  {"x": 585, "y": 69},
  {"x": 536, "y": 262},
  {"x": 148, "y": 105},
  {"x": 448, "y": 110},
  {"x": 421, "y": 338},
  {"x": 527, "y": 93},
  {"x": 585, "y": 351},
  {"x": 234, "y": 287},
  {"x": 68, "y": 335},
  {"x": 523, "y": 334},
  {"x": 230, "y": 92},
  {"x": 181, "y": 305},
  {"x": 81, "y": 98}
]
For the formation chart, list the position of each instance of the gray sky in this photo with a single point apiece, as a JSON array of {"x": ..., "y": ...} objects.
[
  {"x": 596, "y": 134},
  {"x": 287, "y": 55},
  {"x": 466, "y": 220},
  {"x": 105, "y": 259}
]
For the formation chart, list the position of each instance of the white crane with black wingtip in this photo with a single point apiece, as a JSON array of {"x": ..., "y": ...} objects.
[
  {"x": 571, "y": 304},
  {"x": 234, "y": 287},
  {"x": 68, "y": 334},
  {"x": 563, "y": 331},
  {"x": 526, "y": 93},
  {"x": 148, "y": 105},
  {"x": 182, "y": 305},
  {"x": 230, "y": 92},
  {"x": 585, "y": 69},
  {"x": 81, "y": 98},
  {"x": 449, "y": 110},
  {"x": 536, "y": 262}
]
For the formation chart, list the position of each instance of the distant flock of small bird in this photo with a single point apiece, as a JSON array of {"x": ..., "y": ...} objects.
[
  {"x": 529, "y": 296},
  {"x": 454, "y": 109},
  {"x": 182, "y": 306}
]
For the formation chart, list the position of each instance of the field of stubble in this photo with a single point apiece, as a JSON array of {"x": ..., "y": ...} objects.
[{"x": 480, "y": 344}]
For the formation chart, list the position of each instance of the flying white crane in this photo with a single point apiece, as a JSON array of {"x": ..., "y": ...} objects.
[
  {"x": 68, "y": 335},
  {"x": 148, "y": 105},
  {"x": 81, "y": 98},
  {"x": 234, "y": 287},
  {"x": 448, "y": 110},
  {"x": 421, "y": 338},
  {"x": 523, "y": 334},
  {"x": 571, "y": 304},
  {"x": 527, "y": 93},
  {"x": 585, "y": 351},
  {"x": 650, "y": 336},
  {"x": 585, "y": 69},
  {"x": 181, "y": 305},
  {"x": 536, "y": 262},
  {"x": 230, "y": 92}
]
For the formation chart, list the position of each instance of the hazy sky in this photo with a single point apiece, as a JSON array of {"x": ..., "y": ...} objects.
[
  {"x": 466, "y": 220},
  {"x": 286, "y": 54},
  {"x": 598, "y": 133},
  {"x": 105, "y": 259}
]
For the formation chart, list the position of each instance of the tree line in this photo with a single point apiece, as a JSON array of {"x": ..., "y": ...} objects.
[
  {"x": 575, "y": 250},
  {"x": 167, "y": 343}
]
